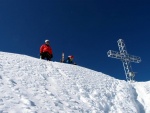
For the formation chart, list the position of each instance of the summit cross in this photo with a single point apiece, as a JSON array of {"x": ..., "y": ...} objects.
[{"x": 125, "y": 58}]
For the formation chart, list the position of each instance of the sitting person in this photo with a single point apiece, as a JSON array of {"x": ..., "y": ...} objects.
[
  {"x": 69, "y": 60},
  {"x": 46, "y": 51}
]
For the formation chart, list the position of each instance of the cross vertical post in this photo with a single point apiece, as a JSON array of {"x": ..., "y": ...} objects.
[{"x": 125, "y": 58}]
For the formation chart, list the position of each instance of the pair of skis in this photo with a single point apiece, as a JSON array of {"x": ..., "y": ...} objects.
[{"x": 63, "y": 57}]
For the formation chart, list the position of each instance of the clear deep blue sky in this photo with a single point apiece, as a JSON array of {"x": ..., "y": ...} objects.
[{"x": 86, "y": 29}]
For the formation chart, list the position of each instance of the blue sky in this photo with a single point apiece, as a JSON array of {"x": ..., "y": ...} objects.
[{"x": 86, "y": 29}]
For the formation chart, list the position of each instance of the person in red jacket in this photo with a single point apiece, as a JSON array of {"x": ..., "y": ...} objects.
[{"x": 46, "y": 51}]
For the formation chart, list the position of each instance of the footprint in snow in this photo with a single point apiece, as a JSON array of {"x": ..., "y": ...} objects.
[
  {"x": 11, "y": 83},
  {"x": 1, "y": 102},
  {"x": 27, "y": 101}
]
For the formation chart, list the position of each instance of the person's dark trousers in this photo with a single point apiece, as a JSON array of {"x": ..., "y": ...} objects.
[{"x": 46, "y": 55}]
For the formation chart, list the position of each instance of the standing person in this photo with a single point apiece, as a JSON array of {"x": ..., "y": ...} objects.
[
  {"x": 69, "y": 60},
  {"x": 46, "y": 51}
]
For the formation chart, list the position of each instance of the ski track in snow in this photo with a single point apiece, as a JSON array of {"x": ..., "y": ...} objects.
[{"x": 30, "y": 85}]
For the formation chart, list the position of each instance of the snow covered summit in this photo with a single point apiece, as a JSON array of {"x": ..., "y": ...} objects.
[{"x": 31, "y": 85}]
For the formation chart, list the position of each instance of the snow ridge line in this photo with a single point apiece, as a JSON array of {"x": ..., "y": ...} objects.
[{"x": 138, "y": 104}]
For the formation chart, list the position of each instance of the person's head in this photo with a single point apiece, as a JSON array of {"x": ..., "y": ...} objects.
[
  {"x": 47, "y": 42},
  {"x": 71, "y": 57}
]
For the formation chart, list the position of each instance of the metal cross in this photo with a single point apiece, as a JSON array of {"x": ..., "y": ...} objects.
[{"x": 125, "y": 58}]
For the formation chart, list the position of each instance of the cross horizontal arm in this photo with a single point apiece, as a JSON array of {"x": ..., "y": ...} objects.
[
  {"x": 134, "y": 59},
  {"x": 117, "y": 55},
  {"x": 114, "y": 54}
]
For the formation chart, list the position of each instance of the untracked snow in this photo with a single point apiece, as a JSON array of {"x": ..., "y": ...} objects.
[{"x": 31, "y": 85}]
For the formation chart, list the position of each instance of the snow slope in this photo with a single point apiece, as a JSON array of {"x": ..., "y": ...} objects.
[{"x": 31, "y": 85}]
